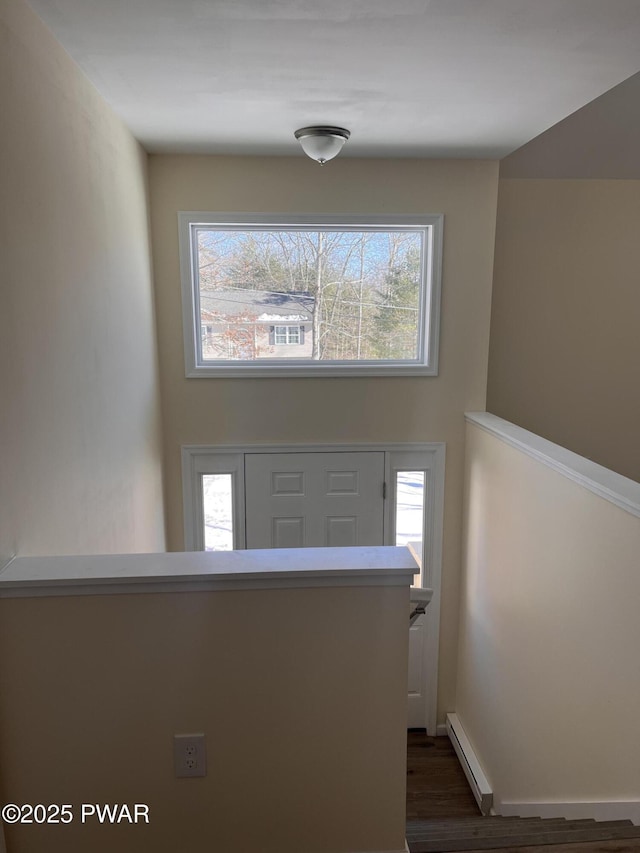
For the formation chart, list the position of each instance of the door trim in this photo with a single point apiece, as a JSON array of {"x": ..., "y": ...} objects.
[{"x": 198, "y": 459}]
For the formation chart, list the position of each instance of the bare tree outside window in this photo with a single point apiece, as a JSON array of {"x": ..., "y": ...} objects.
[
  {"x": 356, "y": 294},
  {"x": 315, "y": 296}
]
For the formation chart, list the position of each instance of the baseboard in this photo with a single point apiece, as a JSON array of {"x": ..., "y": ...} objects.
[
  {"x": 441, "y": 730},
  {"x": 608, "y": 810},
  {"x": 470, "y": 764}
]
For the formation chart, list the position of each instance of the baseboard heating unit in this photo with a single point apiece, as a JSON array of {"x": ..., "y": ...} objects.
[{"x": 472, "y": 770}]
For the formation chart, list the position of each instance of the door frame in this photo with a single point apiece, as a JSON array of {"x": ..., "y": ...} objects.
[{"x": 427, "y": 456}]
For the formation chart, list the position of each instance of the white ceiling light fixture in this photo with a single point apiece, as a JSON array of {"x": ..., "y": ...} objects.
[{"x": 322, "y": 143}]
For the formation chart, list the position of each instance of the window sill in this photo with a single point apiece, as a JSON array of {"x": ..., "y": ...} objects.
[{"x": 235, "y": 371}]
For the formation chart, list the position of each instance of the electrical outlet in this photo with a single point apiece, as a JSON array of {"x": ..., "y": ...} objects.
[{"x": 189, "y": 755}]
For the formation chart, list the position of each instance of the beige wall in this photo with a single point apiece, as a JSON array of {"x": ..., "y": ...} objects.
[
  {"x": 565, "y": 350},
  {"x": 304, "y": 716},
  {"x": 210, "y": 411},
  {"x": 548, "y": 677},
  {"x": 601, "y": 140},
  {"x": 79, "y": 424}
]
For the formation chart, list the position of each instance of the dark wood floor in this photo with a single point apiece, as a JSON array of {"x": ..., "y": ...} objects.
[
  {"x": 436, "y": 785},
  {"x": 437, "y": 789}
]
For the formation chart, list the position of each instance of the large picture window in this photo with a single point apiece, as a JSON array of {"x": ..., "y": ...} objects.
[{"x": 265, "y": 295}]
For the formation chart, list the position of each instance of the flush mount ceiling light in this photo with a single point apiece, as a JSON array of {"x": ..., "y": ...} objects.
[{"x": 322, "y": 143}]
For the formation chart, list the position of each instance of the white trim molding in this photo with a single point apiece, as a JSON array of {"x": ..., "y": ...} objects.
[
  {"x": 573, "y": 810},
  {"x": 289, "y": 568},
  {"x": 469, "y": 762},
  {"x": 199, "y": 461},
  {"x": 607, "y": 484},
  {"x": 426, "y": 361}
]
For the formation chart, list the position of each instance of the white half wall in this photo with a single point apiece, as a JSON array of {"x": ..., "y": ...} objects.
[
  {"x": 300, "y": 692},
  {"x": 548, "y": 684}
]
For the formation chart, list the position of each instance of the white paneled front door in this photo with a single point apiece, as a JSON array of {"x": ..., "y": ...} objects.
[{"x": 296, "y": 500}]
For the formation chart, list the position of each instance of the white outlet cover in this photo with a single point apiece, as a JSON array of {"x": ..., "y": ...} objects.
[{"x": 189, "y": 755}]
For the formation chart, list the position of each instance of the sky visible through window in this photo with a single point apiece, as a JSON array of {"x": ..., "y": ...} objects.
[{"x": 355, "y": 294}]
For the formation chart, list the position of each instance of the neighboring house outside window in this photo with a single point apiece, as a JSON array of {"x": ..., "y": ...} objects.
[
  {"x": 266, "y": 295},
  {"x": 243, "y": 324}
]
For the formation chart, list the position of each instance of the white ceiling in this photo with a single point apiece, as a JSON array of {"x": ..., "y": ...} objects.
[{"x": 425, "y": 78}]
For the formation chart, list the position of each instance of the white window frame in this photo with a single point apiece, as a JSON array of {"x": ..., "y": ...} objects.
[
  {"x": 195, "y": 463},
  {"x": 287, "y": 335},
  {"x": 426, "y": 364}
]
